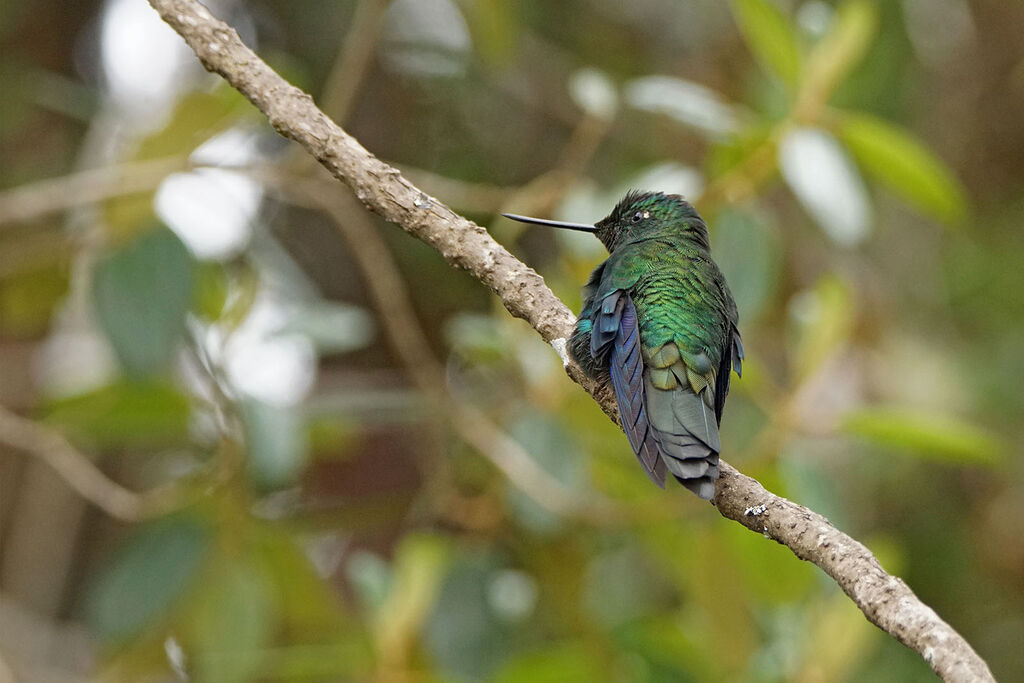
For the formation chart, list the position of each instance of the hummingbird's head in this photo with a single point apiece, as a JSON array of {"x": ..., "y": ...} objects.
[
  {"x": 637, "y": 217},
  {"x": 643, "y": 215}
]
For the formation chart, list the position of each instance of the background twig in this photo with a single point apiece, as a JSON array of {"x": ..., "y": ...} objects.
[
  {"x": 391, "y": 301},
  {"x": 81, "y": 474}
]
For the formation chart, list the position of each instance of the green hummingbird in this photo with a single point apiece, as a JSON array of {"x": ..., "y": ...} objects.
[{"x": 659, "y": 321}]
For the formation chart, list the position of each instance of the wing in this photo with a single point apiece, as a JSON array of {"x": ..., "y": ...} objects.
[
  {"x": 732, "y": 348},
  {"x": 732, "y": 358},
  {"x": 579, "y": 343},
  {"x": 617, "y": 336},
  {"x": 671, "y": 427}
]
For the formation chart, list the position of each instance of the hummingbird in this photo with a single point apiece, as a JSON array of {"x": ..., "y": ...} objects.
[{"x": 660, "y": 323}]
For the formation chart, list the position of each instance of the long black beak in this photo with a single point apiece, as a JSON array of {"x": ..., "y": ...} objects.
[{"x": 582, "y": 227}]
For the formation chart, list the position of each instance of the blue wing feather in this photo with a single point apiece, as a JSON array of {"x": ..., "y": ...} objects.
[{"x": 627, "y": 372}]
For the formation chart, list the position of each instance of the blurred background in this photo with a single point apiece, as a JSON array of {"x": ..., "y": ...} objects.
[{"x": 250, "y": 432}]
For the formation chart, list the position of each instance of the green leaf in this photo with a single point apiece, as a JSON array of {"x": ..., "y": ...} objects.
[
  {"x": 824, "y": 320},
  {"x": 749, "y": 254},
  {"x": 307, "y": 603},
  {"x": 196, "y": 118},
  {"x": 767, "y": 569},
  {"x": 333, "y": 327},
  {"x": 495, "y": 29},
  {"x": 29, "y": 298},
  {"x": 826, "y": 182},
  {"x": 145, "y": 576},
  {"x": 557, "y": 452},
  {"x": 125, "y": 414},
  {"x": 841, "y": 49},
  {"x": 623, "y": 585},
  {"x": 464, "y": 634},
  {"x": 142, "y": 293},
  {"x": 771, "y": 37},
  {"x": 232, "y": 623},
  {"x": 418, "y": 573},
  {"x": 560, "y": 663},
  {"x": 925, "y": 435},
  {"x": 278, "y": 442},
  {"x": 370, "y": 578},
  {"x": 894, "y": 157},
  {"x": 212, "y": 290}
]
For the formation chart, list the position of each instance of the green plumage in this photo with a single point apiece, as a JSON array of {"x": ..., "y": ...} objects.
[{"x": 659, "y": 322}]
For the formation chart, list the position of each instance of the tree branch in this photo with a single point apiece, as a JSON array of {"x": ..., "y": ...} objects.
[
  {"x": 86, "y": 187},
  {"x": 79, "y": 472},
  {"x": 884, "y": 599},
  {"x": 391, "y": 300}
]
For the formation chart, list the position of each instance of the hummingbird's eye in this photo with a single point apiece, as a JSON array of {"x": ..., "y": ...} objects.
[{"x": 640, "y": 215}]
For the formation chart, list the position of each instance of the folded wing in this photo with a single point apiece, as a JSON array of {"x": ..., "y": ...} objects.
[{"x": 666, "y": 402}]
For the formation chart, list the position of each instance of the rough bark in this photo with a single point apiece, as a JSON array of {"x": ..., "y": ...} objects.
[{"x": 884, "y": 599}]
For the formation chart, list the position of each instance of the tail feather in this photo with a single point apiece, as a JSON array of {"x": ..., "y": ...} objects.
[
  {"x": 704, "y": 487},
  {"x": 687, "y": 433}
]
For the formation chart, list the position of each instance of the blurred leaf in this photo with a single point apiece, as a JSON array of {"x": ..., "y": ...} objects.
[
  {"x": 623, "y": 585},
  {"x": 277, "y": 441},
  {"x": 719, "y": 601},
  {"x": 819, "y": 172},
  {"x": 425, "y": 38},
  {"x": 213, "y": 210},
  {"x": 559, "y": 663},
  {"x": 805, "y": 477},
  {"x": 233, "y": 623},
  {"x": 824, "y": 317},
  {"x": 308, "y": 605},
  {"x": 464, "y": 635},
  {"x": 211, "y": 291},
  {"x": 475, "y": 336},
  {"x": 332, "y": 327},
  {"x": 728, "y": 153},
  {"x": 127, "y": 217},
  {"x": 771, "y": 37},
  {"x": 512, "y": 595},
  {"x": 495, "y": 28},
  {"x": 594, "y": 93},
  {"x": 926, "y": 435},
  {"x": 895, "y": 158},
  {"x": 750, "y": 256},
  {"x": 835, "y": 55},
  {"x": 418, "y": 570},
  {"x": 556, "y": 452},
  {"x": 330, "y": 437},
  {"x": 243, "y": 287},
  {"x": 670, "y": 651},
  {"x": 668, "y": 176},
  {"x": 125, "y": 414},
  {"x": 28, "y": 300},
  {"x": 142, "y": 292},
  {"x": 197, "y": 117},
  {"x": 687, "y": 102},
  {"x": 767, "y": 569},
  {"x": 143, "y": 578},
  {"x": 838, "y": 638},
  {"x": 370, "y": 576}
]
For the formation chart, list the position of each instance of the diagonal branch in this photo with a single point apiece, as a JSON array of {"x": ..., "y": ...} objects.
[
  {"x": 885, "y": 600},
  {"x": 391, "y": 299}
]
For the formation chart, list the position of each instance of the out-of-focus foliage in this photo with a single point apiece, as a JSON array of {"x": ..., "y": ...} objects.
[{"x": 209, "y": 333}]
